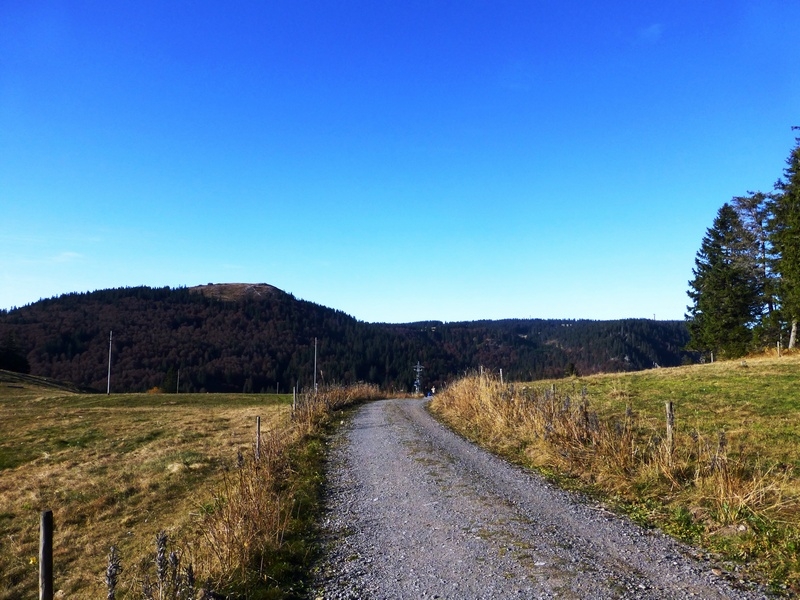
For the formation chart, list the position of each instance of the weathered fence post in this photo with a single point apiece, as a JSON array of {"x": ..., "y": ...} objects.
[
  {"x": 258, "y": 438},
  {"x": 501, "y": 376},
  {"x": 46, "y": 556},
  {"x": 670, "y": 431}
]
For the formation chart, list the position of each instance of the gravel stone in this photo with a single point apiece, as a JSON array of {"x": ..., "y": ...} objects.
[{"x": 415, "y": 511}]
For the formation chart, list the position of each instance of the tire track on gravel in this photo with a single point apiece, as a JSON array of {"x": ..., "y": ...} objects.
[{"x": 414, "y": 511}]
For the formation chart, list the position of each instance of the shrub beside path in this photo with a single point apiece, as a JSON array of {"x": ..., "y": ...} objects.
[{"x": 414, "y": 511}]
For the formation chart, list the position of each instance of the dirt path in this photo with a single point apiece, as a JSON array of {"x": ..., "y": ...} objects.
[{"x": 414, "y": 511}]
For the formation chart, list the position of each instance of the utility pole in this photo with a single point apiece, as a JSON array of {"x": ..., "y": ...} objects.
[
  {"x": 417, "y": 382},
  {"x": 108, "y": 388}
]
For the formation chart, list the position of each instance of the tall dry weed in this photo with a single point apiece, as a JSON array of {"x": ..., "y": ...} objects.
[
  {"x": 252, "y": 510},
  {"x": 249, "y": 514},
  {"x": 172, "y": 580},
  {"x": 558, "y": 430}
]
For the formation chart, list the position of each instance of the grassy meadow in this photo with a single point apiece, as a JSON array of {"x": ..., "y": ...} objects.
[
  {"x": 728, "y": 482},
  {"x": 118, "y": 469}
]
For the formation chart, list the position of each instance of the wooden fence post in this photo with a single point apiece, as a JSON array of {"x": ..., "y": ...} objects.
[
  {"x": 46, "y": 556},
  {"x": 670, "y": 431},
  {"x": 258, "y": 438}
]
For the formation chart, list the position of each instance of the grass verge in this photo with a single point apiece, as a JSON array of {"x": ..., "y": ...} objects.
[
  {"x": 118, "y": 470},
  {"x": 727, "y": 482}
]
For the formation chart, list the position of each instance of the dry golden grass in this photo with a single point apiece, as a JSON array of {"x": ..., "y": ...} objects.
[
  {"x": 730, "y": 481},
  {"x": 114, "y": 470},
  {"x": 118, "y": 470},
  {"x": 255, "y": 505}
]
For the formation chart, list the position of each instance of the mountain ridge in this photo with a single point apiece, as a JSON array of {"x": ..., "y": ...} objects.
[{"x": 256, "y": 337}]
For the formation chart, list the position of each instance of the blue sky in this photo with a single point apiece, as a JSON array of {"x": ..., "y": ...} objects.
[{"x": 397, "y": 160}]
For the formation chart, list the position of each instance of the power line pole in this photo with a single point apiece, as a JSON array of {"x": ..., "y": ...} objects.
[
  {"x": 417, "y": 382},
  {"x": 108, "y": 388}
]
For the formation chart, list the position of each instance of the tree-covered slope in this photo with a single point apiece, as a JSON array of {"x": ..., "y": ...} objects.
[{"x": 239, "y": 337}]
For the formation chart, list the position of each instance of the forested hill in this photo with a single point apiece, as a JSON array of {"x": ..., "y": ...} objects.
[{"x": 236, "y": 337}]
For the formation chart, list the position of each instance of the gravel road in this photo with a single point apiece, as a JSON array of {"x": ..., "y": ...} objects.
[{"x": 414, "y": 511}]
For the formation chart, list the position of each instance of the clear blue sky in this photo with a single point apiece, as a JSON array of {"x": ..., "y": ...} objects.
[{"x": 398, "y": 160}]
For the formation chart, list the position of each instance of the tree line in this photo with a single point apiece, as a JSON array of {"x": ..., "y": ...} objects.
[
  {"x": 192, "y": 340},
  {"x": 745, "y": 293}
]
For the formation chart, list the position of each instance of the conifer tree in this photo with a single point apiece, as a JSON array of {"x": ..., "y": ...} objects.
[
  {"x": 785, "y": 239},
  {"x": 754, "y": 212},
  {"x": 11, "y": 357},
  {"x": 724, "y": 290}
]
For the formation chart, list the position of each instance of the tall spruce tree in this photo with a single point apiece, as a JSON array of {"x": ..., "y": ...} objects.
[
  {"x": 785, "y": 238},
  {"x": 725, "y": 290},
  {"x": 754, "y": 212}
]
